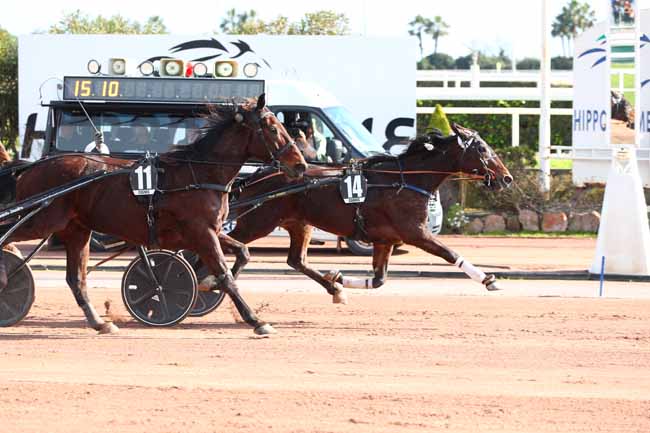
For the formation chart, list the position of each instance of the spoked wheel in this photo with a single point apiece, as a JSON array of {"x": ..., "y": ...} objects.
[
  {"x": 17, "y": 298},
  {"x": 167, "y": 304},
  {"x": 206, "y": 302}
]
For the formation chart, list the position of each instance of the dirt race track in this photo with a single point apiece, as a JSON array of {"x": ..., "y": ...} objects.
[{"x": 384, "y": 363}]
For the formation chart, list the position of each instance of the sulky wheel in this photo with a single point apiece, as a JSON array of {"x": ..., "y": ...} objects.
[
  {"x": 17, "y": 298},
  {"x": 206, "y": 302},
  {"x": 167, "y": 304}
]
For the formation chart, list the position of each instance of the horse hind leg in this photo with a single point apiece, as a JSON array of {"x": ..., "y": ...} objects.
[
  {"x": 300, "y": 235},
  {"x": 381, "y": 253},
  {"x": 76, "y": 241}
]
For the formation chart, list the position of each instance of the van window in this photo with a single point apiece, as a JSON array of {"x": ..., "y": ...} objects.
[
  {"x": 311, "y": 131},
  {"x": 128, "y": 132}
]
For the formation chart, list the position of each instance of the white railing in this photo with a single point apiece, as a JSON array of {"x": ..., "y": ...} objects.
[
  {"x": 473, "y": 77},
  {"x": 468, "y": 85}
]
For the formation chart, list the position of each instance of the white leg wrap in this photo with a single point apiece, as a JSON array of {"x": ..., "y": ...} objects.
[
  {"x": 357, "y": 283},
  {"x": 472, "y": 271}
]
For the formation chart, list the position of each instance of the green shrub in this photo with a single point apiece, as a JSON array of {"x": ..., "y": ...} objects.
[{"x": 439, "y": 121}]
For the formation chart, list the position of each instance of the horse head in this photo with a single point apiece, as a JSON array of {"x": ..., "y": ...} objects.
[
  {"x": 270, "y": 142},
  {"x": 476, "y": 157}
]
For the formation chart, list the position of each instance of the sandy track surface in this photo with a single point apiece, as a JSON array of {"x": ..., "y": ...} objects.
[{"x": 385, "y": 363}]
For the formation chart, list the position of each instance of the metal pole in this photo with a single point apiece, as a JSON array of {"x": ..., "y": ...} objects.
[{"x": 545, "y": 103}]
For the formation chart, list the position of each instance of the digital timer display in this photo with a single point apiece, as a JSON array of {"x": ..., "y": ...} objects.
[{"x": 156, "y": 89}]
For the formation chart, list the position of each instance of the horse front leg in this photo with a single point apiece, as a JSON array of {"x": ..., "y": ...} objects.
[
  {"x": 211, "y": 254},
  {"x": 381, "y": 253},
  {"x": 76, "y": 241},
  {"x": 426, "y": 241}
]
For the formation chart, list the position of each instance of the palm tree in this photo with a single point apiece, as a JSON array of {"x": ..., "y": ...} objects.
[
  {"x": 419, "y": 25},
  {"x": 574, "y": 18},
  {"x": 437, "y": 29},
  {"x": 559, "y": 30},
  {"x": 229, "y": 23}
]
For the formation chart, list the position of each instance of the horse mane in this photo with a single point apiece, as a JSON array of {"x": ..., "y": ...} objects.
[
  {"x": 416, "y": 146},
  {"x": 218, "y": 118}
]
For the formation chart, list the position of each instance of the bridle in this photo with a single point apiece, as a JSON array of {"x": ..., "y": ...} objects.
[
  {"x": 275, "y": 154},
  {"x": 488, "y": 174}
]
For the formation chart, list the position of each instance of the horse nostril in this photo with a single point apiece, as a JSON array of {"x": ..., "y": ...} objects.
[{"x": 507, "y": 179}]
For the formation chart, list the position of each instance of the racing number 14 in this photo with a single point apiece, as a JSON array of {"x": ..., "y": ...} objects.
[{"x": 354, "y": 186}]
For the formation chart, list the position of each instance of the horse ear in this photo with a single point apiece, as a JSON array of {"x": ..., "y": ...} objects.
[
  {"x": 261, "y": 101},
  {"x": 455, "y": 128}
]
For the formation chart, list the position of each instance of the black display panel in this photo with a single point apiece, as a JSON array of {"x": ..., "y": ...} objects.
[{"x": 157, "y": 89}]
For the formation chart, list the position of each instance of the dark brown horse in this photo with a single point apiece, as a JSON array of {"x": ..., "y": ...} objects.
[
  {"x": 395, "y": 210},
  {"x": 4, "y": 159},
  {"x": 183, "y": 220},
  {"x": 622, "y": 109}
]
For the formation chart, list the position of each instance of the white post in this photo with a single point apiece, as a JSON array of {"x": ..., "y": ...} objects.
[
  {"x": 545, "y": 102},
  {"x": 515, "y": 129},
  {"x": 637, "y": 75},
  {"x": 476, "y": 70}
]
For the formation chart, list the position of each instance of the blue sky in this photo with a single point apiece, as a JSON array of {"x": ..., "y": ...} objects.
[{"x": 475, "y": 24}]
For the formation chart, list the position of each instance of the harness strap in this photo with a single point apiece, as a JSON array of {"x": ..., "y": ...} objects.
[
  {"x": 197, "y": 186},
  {"x": 360, "y": 232},
  {"x": 402, "y": 186},
  {"x": 151, "y": 224}
]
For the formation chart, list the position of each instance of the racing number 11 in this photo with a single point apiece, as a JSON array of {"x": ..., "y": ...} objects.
[{"x": 144, "y": 177}]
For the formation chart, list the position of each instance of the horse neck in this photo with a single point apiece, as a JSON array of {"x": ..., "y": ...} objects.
[
  {"x": 231, "y": 150},
  {"x": 444, "y": 163}
]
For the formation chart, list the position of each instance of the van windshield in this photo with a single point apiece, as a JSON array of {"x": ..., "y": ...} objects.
[
  {"x": 354, "y": 131},
  {"x": 127, "y": 132}
]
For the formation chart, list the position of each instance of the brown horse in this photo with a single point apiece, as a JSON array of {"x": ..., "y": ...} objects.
[
  {"x": 183, "y": 219},
  {"x": 5, "y": 158},
  {"x": 395, "y": 210}
]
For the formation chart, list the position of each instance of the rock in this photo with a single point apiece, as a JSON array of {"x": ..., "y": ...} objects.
[
  {"x": 474, "y": 226},
  {"x": 512, "y": 223},
  {"x": 585, "y": 222},
  {"x": 529, "y": 220},
  {"x": 554, "y": 222},
  {"x": 494, "y": 223}
]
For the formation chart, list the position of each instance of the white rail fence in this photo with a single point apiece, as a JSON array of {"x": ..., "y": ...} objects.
[{"x": 467, "y": 85}]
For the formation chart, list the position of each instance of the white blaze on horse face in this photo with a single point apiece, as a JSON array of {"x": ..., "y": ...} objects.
[
  {"x": 472, "y": 271},
  {"x": 357, "y": 283},
  {"x": 428, "y": 146}
]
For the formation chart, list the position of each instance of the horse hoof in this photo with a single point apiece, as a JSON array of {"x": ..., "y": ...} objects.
[
  {"x": 108, "y": 328},
  {"x": 492, "y": 287},
  {"x": 265, "y": 329},
  {"x": 340, "y": 296}
]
